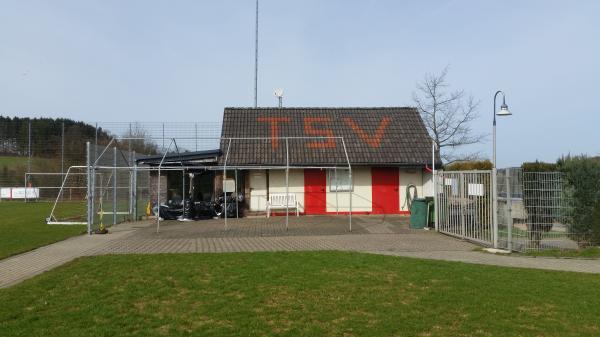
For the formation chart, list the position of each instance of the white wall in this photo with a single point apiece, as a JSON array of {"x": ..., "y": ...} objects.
[
  {"x": 427, "y": 184},
  {"x": 422, "y": 180},
  {"x": 410, "y": 177},
  {"x": 296, "y": 184},
  {"x": 361, "y": 197}
]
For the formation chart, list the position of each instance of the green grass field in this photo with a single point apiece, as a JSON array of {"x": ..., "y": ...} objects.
[
  {"x": 23, "y": 226},
  {"x": 12, "y": 161},
  {"x": 588, "y": 253},
  {"x": 298, "y": 294}
]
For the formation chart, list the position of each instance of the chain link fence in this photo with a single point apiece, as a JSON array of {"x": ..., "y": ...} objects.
[
  {"x": 37, "y": 153},
  {"x": 535, "y": 212}
]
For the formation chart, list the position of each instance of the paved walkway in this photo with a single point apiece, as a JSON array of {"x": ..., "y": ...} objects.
[
  {"x": 23, "y": 266},
  {"x": 142, "y": 239}
]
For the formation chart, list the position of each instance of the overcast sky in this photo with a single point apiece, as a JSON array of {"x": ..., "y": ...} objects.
[{"x": 186, "y": 60}]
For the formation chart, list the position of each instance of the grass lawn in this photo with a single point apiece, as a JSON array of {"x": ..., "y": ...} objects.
[
  {"x": 590, "y": 252},
  {"x": 23, "y": 226},
  {"x": 298, "y": 294}
]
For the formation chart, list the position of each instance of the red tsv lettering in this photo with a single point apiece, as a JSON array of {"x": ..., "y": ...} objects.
[
  {"x": 310, "y": 130},
  {"x": 375, "y": 140},
  {"x": 274, "y": 121}
]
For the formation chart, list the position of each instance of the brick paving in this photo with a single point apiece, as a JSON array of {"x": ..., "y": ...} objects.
[
  {"x": 23, "y": 266},
  {"x": 380, "y": 235}
]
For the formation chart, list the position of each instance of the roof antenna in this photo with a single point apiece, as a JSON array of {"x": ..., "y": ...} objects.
[{"x": 279, "y": 94}]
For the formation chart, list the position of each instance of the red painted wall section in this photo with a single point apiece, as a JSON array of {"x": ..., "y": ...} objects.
[
  {"x": 315, "y": 198},
  {"x": 386, "y": 190}
]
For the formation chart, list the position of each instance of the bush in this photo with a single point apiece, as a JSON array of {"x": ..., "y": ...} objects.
[
  {"x": 540, "y": 210},
  {"x": 538, "y": 166},
  {"x": 582, "y": 174},
  {"x": 469, "y": 165}
]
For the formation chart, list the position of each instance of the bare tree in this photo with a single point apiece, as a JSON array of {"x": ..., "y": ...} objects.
[
  {"x": 447, "y": 115},
  {"x": 140, "y": 140}
]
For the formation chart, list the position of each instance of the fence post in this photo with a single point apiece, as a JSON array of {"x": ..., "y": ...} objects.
[
  {"x": 96, "y": 144},
  {"x": 62, "y": 149},
  {"x": 89, "y": 189},
  {"x": 28, "y": 148},
  {"x": 133, "y": 184},
  {"x": 28, "y": 158},
  {"x": 287, "y": 183},
  {"x": 436, "y": 206},
  {"x": 495, "y": 207},
  {"x": 509, "y": 222},
  {"x": 463, "y": 204},
  {"x": 114, "y": 207}
]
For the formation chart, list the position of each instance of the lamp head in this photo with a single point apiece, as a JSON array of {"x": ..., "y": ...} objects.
[{"x": 504, "y": 109}]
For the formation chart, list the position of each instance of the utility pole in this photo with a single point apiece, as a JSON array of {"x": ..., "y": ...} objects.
[{"x": 256, "y": 59}]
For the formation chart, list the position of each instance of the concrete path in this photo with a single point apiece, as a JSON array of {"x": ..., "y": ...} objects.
[
  {"x": 23, "y": 266},
  {"x": 548, "y": 263},
  {"x": 141, "y": 239}
]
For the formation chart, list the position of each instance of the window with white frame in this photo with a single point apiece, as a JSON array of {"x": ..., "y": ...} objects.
[{"x": 339, "y": 180}]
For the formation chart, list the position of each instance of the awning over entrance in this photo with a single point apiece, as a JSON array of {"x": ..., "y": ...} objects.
[{"x": 209, "y": 157}]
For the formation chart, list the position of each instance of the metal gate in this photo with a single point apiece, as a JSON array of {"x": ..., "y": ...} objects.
[{"x": 465, "y": 205}]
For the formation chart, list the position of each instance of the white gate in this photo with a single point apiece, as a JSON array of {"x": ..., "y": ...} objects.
[{"x": 465, "y": 205}]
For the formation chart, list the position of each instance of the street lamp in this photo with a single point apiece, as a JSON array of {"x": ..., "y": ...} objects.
[{"x": 503, "y": 112}]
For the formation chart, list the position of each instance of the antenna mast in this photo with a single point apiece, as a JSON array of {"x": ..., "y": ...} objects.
[{"x": 256, "y": 60}]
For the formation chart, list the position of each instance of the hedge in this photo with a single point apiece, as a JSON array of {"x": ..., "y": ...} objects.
[
  {"x": 469, "y": 165},
  {"x": 582, "y": 174}
]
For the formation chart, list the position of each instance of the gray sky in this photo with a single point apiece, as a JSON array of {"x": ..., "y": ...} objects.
[{"x": 186, "y": 60}]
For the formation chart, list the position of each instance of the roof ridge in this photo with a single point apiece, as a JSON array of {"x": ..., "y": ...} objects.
[{"x": 323, "y": 108}]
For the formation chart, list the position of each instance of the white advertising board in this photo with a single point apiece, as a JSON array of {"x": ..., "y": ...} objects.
[
  {"x": 21, "y": 193},
  {"x": 5, "y": 193}
]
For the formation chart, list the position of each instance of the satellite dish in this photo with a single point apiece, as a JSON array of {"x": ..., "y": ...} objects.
[{"x": 278, "y": 92}]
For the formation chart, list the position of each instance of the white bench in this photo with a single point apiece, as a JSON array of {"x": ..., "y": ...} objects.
[{"x": 278, "y": 201}]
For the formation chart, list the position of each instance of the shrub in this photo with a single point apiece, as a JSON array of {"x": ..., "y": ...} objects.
[
  {"x": 538, "y": 166},
  {"x": 541, "y": 211},
  {"x": 469, "y": 165},
  {"x": 582, "y": 174}
]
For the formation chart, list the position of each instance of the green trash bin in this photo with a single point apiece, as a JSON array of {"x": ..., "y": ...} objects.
[
  {"x": 418, "y": 213},
  {"x": 431, "y": 218}
]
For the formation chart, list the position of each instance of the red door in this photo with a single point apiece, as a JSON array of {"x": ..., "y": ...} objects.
[
  {"x": 314, "y": 191},
  {"x": 386, "y": 190}
]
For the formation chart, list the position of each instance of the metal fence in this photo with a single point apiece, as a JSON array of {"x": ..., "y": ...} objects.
[
  {"x": 38, "y": 152},
  {"x": 535, "y": 212},
  {"x": 464, "y": 204},
  {"x": 534, "y": 209}
]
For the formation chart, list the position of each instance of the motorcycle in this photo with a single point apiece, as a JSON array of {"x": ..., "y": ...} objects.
[{"x": 195, "y": 210}]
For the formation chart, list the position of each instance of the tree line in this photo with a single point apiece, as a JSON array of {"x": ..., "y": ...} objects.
[{"x": 45, "y": 137}]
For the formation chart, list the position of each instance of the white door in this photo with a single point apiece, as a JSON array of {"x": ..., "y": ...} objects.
[{"x": 258, "y": 190}]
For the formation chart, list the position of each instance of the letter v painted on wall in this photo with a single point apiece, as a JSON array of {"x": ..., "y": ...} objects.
[{"x": 375, "y": 140}]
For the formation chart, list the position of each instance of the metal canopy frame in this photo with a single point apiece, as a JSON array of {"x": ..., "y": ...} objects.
[{"x": 93, "y": 166}]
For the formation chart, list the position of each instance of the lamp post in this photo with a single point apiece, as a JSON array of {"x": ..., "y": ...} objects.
[{"x": 503, "y": 112}]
